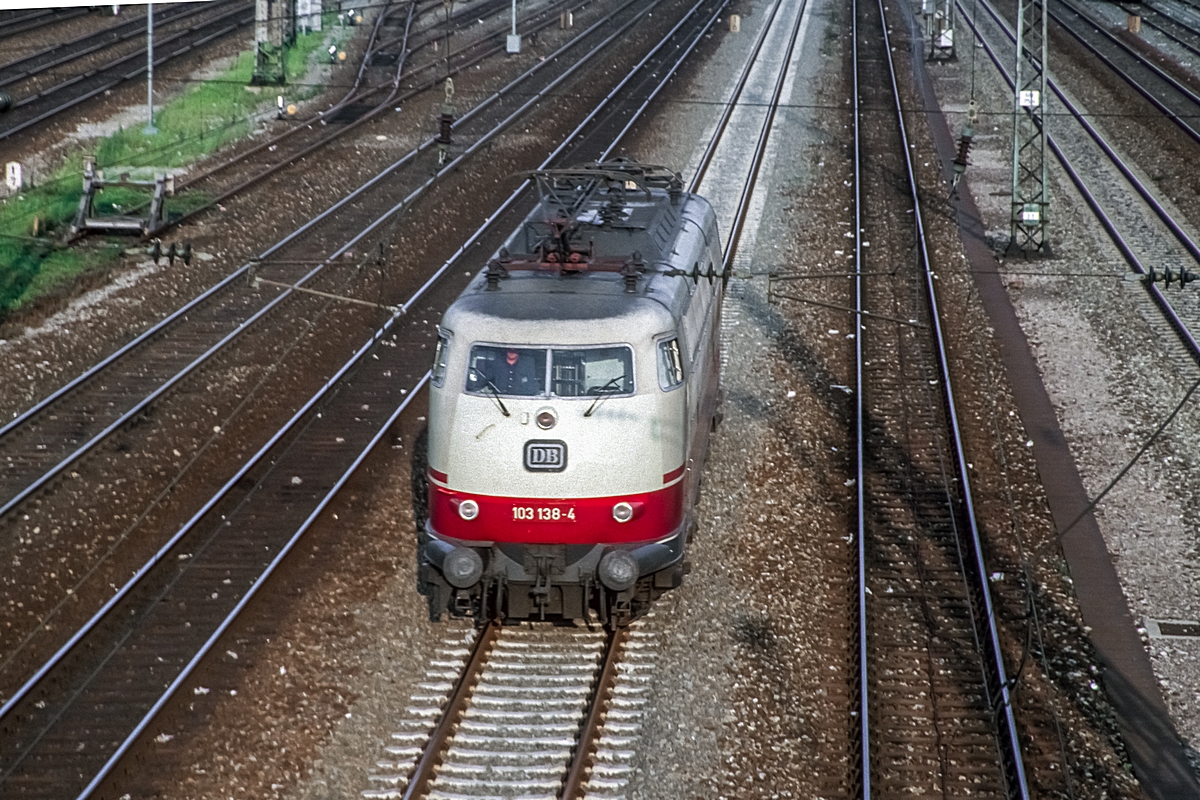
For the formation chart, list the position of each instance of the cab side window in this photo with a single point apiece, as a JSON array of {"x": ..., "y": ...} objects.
[
  {"x": 440, "y": 355},
  {"x": 670, "y": 364}
]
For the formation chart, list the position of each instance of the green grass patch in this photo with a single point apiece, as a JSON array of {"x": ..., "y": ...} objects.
[
  {"x": 34, "y": 271},
  {"x": 199, "y": 121}
]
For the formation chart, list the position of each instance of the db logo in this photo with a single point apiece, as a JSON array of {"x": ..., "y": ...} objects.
[{"x": 545, "y": 455}]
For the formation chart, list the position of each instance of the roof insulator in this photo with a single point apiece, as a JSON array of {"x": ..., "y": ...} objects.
[
  {"x": 632, "y": 269},
  {"x": 497, "y": 268}
]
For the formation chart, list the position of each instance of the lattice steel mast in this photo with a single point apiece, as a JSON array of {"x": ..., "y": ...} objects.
[
  {"x": 274, "y": 33},
  {"x": 1030, "y": 199},
  {"x": 939, "y": 23}
]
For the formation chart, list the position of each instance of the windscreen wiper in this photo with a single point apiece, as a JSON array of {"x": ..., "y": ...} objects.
[
  {"x": 603, "y": 393},
  {"x": 496, "y": 397}
]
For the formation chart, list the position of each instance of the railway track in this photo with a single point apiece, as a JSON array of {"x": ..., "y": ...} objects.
[
  {"x": 934, "y": 710},
  {"x": 363, "y": 103},
  {"x": 517, "y": 717},
  {"x": 220, "y": 20},
  {"x": 1146, "y": 235},
  {"x": 533, "y": 741},
  {"x": 140, "y": 647},
  {"x": 14, "y": 23},
  {"x": 1175, "y": 100},
  {"x": 1177, "y": 29},
  {"x": 1142, "y": 228},
  {"x": 42, "y": 443},
  {"x": 528, "y": 711},
  {"x": 17, "y": 76}
]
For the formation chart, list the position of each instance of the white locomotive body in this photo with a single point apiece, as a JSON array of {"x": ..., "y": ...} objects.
[{"x": 574, "y": 388}]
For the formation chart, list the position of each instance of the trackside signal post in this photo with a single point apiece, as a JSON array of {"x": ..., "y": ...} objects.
[
  {"x": 513, "y": 44},
  {"x": 1029, "y": 191}
]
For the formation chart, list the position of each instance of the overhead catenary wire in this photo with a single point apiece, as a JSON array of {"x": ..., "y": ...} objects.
[{"x": 1125, "y": 470}]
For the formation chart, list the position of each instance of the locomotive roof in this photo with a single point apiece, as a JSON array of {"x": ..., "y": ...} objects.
[
  {"x": 585, "y": 308},
  {"x": 534, "y": 303}
]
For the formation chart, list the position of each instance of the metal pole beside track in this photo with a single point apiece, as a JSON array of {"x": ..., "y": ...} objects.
[{"x": 150, "y": 130}]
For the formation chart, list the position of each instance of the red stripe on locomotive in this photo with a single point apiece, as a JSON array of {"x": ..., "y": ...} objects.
[{"x": 532, "y": 520}]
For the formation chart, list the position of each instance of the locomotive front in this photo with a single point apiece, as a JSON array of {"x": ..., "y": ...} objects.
[{"x": 560, "y": 427}]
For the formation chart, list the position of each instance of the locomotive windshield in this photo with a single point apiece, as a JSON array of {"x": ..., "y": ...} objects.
[
  {"x": 515, "y": 371},
  {"x": 591, "y": 372},
  {"x": 577, "y": 372}
]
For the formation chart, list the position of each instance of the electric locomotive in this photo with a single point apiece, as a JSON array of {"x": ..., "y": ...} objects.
[{"x": 574, "y": 386}]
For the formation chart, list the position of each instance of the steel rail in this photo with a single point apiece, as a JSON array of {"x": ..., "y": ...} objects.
[
  {"x": 581, "y": 760},
  {"x": 211, "y": 641},
  {"x": 1158, "y": 72},
  {"x": 14, "y": 26},
  {"x": 200, "y": 360},
  {"x": 253, "y": 590},
  {"x": 121, "y": 32},
  {"x": 127, "y": 76},
  {"x": 371, "y": 42},
  {"x": 1009, "y": 739},
  {"x": 1172, "y": 317},
  {"x": 760, "y": 149},
  {"x": 1193, "y": 49},
  {"x": 731, "y": 104},
  {"x": 860, "y": 496},
  {"x": 321, "y": 394},
  {"x": 431, "y": 756},
  {"x": 395, "y": 97},
  {"x": 1190, "y": 8},
  {"x": 17, "y": 18}
]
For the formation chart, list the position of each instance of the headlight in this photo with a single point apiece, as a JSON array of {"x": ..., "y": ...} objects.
[
  {"x": 546, "y": 419},
  {"x": 618, "y": 571},
  {"x": 462, "y": 567},
  {"x": 622, "y": 512},
  {"x": 469, "y": 509}
]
